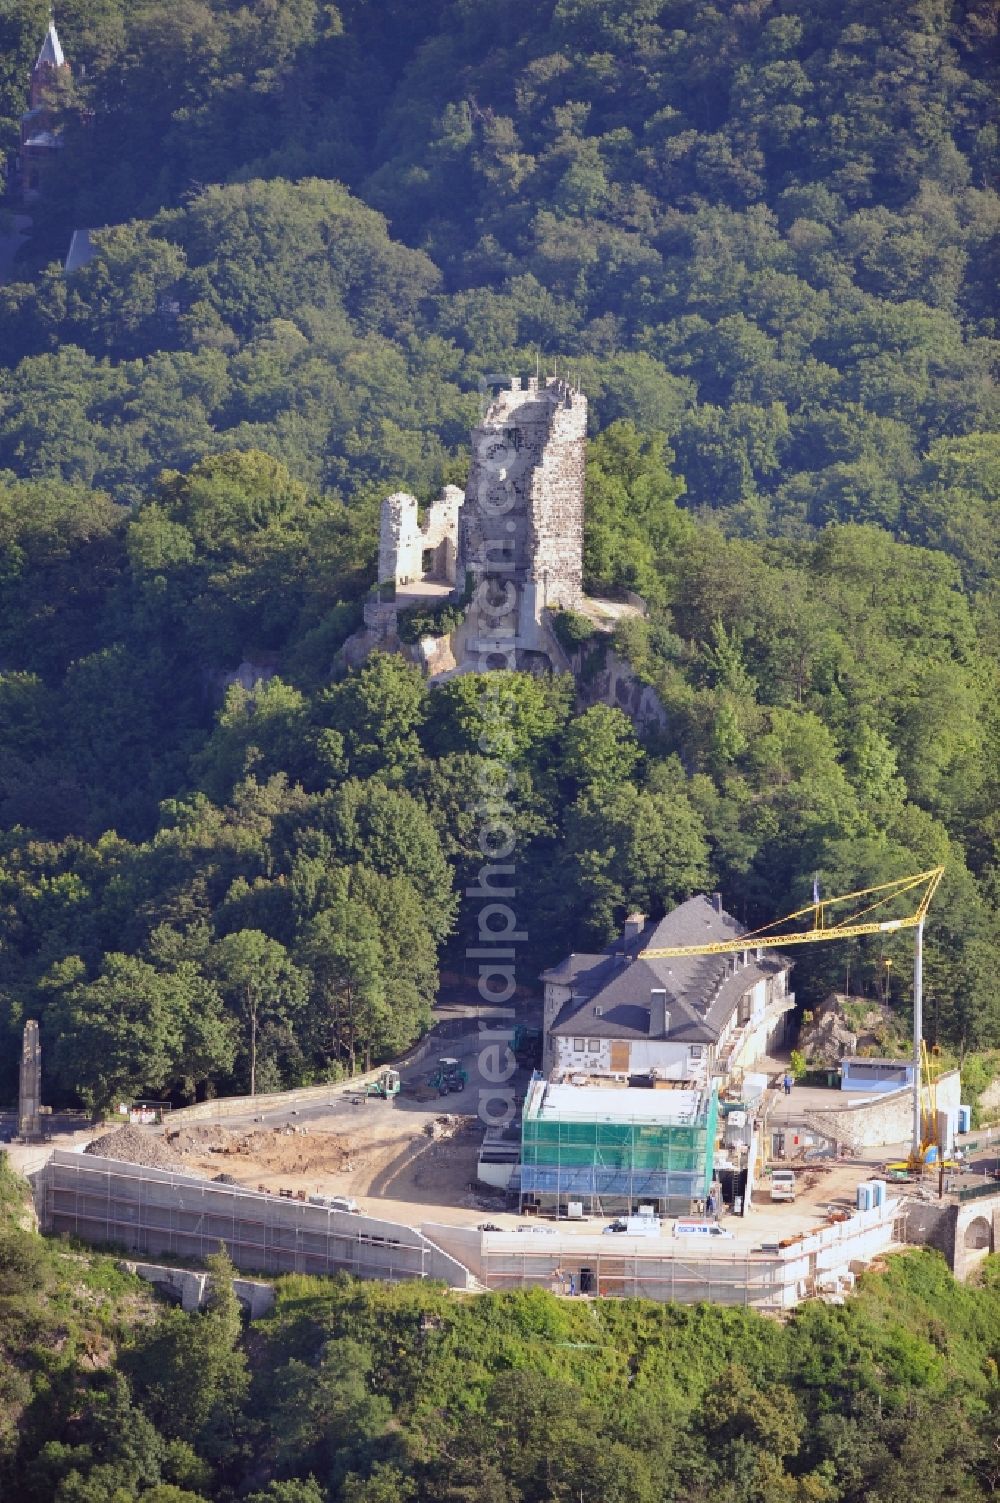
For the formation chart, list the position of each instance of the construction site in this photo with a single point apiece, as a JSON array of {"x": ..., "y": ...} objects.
[{"x": 747, "y": 1192}]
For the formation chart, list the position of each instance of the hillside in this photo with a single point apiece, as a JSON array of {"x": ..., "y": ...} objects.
[
  {"x": 354, "y": 1391},
  {"x": 763, "y": 239}
]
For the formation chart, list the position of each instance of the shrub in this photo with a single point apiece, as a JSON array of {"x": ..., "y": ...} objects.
[{"x": 573, "y": 630}]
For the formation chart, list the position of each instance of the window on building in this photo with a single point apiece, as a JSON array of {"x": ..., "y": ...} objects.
[
  {"x": 579, "y": 1045},
  {"x": 598, "y": 1012},
  {"x": 594, "y": 1045},
  {"x": 696, "y": 1051}
]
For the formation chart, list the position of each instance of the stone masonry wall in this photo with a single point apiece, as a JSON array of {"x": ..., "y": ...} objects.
[
  {"x": 884, "y": 1119},
  {"x": 521, "y": 528},
  {"x": 403, "y": 542}
]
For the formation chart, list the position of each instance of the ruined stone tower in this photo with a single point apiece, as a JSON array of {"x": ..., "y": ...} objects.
[
  {"x": 522, "y": 522},
  {"x": 409, "y": 553},
  {"x": 510, "y": 548}
]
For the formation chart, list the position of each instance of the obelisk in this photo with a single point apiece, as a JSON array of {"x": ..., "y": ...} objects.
[{"x": 30, "y": 1099}]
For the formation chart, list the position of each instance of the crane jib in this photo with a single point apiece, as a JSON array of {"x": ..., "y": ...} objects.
[{"x": 822, "y": 931}]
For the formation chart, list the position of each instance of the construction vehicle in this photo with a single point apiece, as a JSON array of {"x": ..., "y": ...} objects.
[
  {"x": 868, "y": 918},
  {"x": 782, "y": 1184},
  {"x": 526, "y": 1045},
  {"x": 387, "y": 1085},
  {"x": 448, "y": 1077}
]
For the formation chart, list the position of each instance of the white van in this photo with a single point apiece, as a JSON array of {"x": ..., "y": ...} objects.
[
  {"x": 782, "y": 1184},
  {"x": 700, "y": 1229},
  {"x": 636, "y": 1226}
]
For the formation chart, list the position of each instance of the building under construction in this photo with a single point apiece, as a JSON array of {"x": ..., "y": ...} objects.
[{"x": 608, "y": 1149}]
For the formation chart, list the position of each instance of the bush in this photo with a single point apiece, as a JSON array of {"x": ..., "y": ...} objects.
[
  {"x": 573, "y": 630},
  {"x": 435, "y": 622}
]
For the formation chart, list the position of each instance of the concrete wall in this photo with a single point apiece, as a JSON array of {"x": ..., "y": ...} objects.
[
  {"x": 888, "y": 1118},
  {"x": 152, "y": 1211},
  {"x": 666, "y": 1270},
  {"x": 191, "y": 1288}
]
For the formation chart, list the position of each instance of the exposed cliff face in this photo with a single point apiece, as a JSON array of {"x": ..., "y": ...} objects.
[
  {"x": 612, "y": 681},
  {"x": 844, "y": 1025}
]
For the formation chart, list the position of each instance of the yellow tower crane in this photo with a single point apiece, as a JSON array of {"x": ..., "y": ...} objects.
[{"x": 862, "y": 917}]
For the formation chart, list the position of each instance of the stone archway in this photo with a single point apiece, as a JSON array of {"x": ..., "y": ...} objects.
[{"x": 978, "y": 1235}]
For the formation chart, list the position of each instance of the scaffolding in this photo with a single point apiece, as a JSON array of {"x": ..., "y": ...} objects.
[
  {"x": 614, "y": 1162},
  {"x": 159, "y": 1213}
]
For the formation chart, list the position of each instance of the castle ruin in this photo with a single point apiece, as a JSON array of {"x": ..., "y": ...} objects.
[
  {"x": 512, "y": 545},
  {"x": 407, "y": 552}
]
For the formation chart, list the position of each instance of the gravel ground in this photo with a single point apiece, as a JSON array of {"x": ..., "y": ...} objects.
[{"x": 133, "y": 1146}]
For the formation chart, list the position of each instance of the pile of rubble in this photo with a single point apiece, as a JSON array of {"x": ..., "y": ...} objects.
[
  {"x": 447, "y": 1126},
  {"x": 133, "y": 1146},
  {"x": 287, "y": 1149}
]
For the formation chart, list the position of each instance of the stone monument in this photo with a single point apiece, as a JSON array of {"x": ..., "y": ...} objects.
[{"x": 30, "y": 1096}]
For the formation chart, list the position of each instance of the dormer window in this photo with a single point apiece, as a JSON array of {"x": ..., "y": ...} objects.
[{"x": 598, "y": 1012}]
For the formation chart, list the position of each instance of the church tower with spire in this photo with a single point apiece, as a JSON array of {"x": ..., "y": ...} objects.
[{"x": 40, "y": 140}]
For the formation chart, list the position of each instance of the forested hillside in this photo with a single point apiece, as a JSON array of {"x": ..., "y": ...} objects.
[
  {"x": 764, "y": 240},
  {"x": 378, "y": 1393}
]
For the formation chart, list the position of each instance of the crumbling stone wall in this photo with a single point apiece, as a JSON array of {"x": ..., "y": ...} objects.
[
  {"x": 521, "y": 527},
  {"x": 408, "y": 552}
]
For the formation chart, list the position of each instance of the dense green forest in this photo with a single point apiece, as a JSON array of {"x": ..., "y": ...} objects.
[
  {"x": 764, "y": 239},
  {"x": 377, "y": 1393}
]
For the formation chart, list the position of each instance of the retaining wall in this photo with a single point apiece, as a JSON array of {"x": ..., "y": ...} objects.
[
  {"x": 965, "y": 1230},
  {"x": 244, "y": 1106},
  {"x": 776, "y": 1279},
  {"x": 885, "y": 1119},
  {"x": 191, "y": 1287},
  {"x": 159, "y": 1213}
]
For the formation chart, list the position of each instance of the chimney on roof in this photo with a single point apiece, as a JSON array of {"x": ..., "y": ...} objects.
[
  {"x": 659, "y": 1018},
  {"x": 717, "y": 901},
  {"x": 634, "y": 925}
]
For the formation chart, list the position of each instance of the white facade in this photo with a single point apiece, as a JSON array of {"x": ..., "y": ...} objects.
[{"x": 665, "y": 1058}]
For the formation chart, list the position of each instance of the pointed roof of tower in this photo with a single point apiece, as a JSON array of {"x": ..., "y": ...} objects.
[{"x": 51, "y": 53}]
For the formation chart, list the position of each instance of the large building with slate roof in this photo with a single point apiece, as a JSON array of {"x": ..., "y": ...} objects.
[{"x": 682, "y": 1021}]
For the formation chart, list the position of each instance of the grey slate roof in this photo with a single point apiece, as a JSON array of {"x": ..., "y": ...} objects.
[
  {"x": 611, "y": 991},
  {"x": 51, "y": 52}
]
